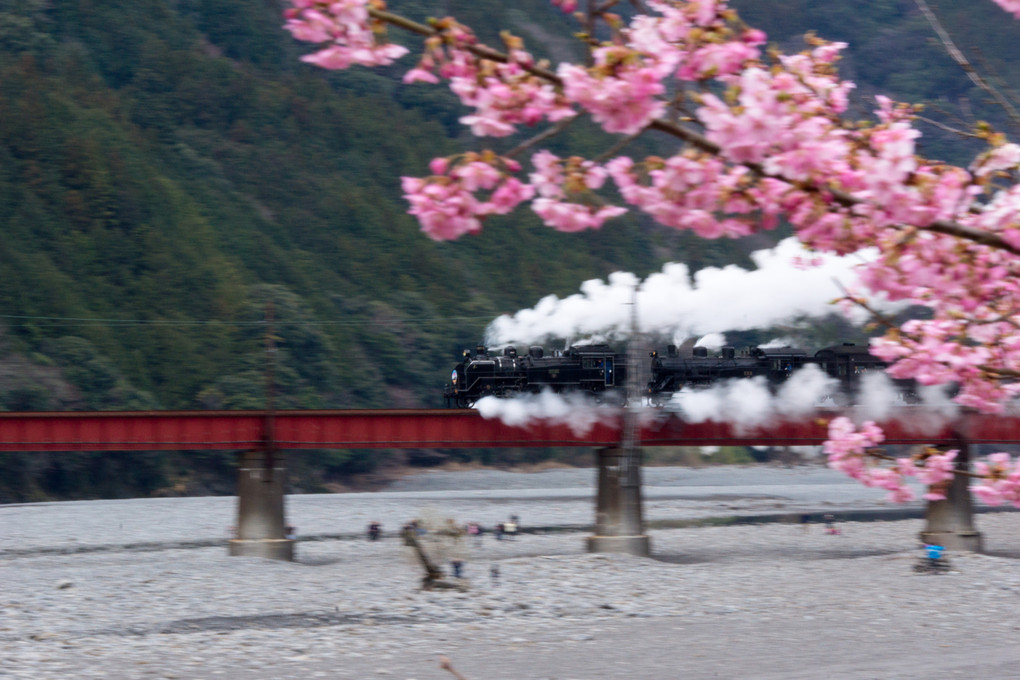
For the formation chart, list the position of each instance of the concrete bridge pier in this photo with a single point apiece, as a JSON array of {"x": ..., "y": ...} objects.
[
  {"x": 619, "y": 522},
  {"x": 950, "y": 523},
  {"x": 261, "y": 480}
]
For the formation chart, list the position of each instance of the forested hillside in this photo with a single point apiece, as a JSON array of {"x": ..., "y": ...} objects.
[{"x": 169, "y": 168}]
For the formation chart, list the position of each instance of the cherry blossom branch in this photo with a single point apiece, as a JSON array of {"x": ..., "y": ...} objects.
[
  {"x": 480, "y": 51},
  {"x": 946, "y": 227},
  {"x": 699, "y": 141},
  {"x": 877, "y": 454},
  {"x": 540, "y": 137},
  {"x": 617, "y": 147},
  {"x": 948, "y": 128}
]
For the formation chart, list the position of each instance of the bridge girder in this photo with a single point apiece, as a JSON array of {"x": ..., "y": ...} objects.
[{"x": 447, "y": 429}]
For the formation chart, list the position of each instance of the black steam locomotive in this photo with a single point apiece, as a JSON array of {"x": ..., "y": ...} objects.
[
  {"x": 602, "y": 373},
  {"x": 593, "y": 369}
]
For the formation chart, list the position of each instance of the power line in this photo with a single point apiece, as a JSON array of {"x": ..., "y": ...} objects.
[{"x": 93, "y": 322}]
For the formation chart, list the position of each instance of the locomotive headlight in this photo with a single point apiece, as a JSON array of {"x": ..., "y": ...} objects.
[{"x": 453, "y": 376}]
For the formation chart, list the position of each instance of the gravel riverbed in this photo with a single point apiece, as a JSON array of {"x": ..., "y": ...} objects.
[{"x": 145, "y": 588}]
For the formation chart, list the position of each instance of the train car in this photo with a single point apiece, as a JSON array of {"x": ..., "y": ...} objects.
[
  {"x": 594, "y": 369},
  {"x": 849, "y": 363},
  {"x": 674, "y": 372}
]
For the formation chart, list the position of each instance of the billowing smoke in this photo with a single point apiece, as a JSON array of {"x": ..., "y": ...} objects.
[
  {"x": 714, "y": 300},
  {"x": 747, "y": 404},
  {"x": 713, "y": 342},
  {"x": 575, "y": 410},
  {"x": 879, "y": 396}
]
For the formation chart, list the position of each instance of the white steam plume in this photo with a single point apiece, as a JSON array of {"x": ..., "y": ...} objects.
[
  {"x": 718, "y": 299},
  {"x": 744, "y": 403},
  {"x": 713, "y": 342},
  {"x": 747, "y": 404},
  {"x": 575, "y": 410}
]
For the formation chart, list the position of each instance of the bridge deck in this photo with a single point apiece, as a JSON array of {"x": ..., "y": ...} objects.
[{"x": 446, "y": 428}]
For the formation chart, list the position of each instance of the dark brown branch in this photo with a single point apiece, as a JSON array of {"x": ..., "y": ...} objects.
[
  {"x": 480, "y": 51},
  {"x": 939, "y": 226},
  {"x": 541, "y": 136},
  {"x": 876, "y": 453},
  {"x": 618, "y": 147}
]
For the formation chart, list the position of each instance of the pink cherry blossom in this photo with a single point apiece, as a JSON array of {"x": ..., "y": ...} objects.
[
  {"x": 1010, "y": 6},
  {"x": 446, "y": 204},
  {"x": 621, "y": 92},
  {"x": 346, "y": 26}
]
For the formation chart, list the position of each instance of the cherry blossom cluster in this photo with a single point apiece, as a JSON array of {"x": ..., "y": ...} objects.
[
  {"x": 556, "y": 180},
  {"x": 504, "y": 94},
  {"x": 851, "y": 451},
  {"x": 348, "y": 29},
  {"x": 759, "y": 140},
  {"x": 687, "y": 191},
  {"x": 622, "y": 91},
  {"x": 1001, "y": 480},
  {"x": 697, "y": 40},
  {"x": 624, "y": 88},
  {"x": 446, "y": 203}
]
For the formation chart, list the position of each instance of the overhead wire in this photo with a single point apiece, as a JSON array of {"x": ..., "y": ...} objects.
[{"x": 18, "y": 320}]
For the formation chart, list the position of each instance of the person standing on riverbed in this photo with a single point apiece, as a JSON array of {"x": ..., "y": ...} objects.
[{"x": 475, "y": 531}]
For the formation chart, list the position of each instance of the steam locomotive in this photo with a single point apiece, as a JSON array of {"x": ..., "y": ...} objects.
[
  {"x": 600, "y": 372},
  {"x": 593, "y": 369}
]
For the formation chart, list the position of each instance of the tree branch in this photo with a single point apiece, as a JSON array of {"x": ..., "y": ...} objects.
[
  {"x": 480, "y": 51},
  {"x": 541, "y": 136},
  {"x": 963, "y": 62},
  {"x": 948, "y": 128}
]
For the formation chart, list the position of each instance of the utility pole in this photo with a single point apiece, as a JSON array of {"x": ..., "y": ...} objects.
[
  {"x": 619, "y": 519},
  {"x": 630, "y": 463},
  {"x": 261, "y": 481},
  {"x": 269, "y": 435}
]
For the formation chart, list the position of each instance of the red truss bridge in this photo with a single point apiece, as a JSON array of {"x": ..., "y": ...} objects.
[{"x": 447, "y": 428}]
